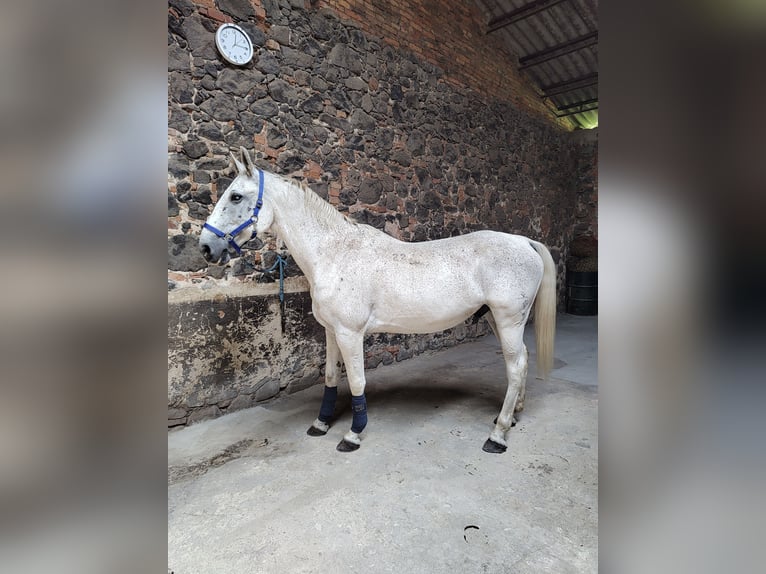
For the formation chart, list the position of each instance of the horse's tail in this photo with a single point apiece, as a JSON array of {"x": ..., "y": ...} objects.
[{"x": 545, "y": 312}]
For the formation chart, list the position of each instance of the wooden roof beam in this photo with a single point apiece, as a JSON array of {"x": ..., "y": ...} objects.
[
  {"x": 520, "y": 14},
  {"x": 570, "y": 85},
  {"x": 558, "y": 50}
]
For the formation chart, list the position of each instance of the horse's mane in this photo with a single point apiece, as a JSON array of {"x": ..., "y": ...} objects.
[{"x": 324, "y": 211}]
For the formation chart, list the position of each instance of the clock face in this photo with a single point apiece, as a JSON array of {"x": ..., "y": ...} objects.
[{"x": 234, "y": 44}]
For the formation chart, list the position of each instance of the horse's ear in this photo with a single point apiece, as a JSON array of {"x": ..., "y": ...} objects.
[
  {"x": 238, "y": 164},
  {"x": 247, "y": 161}
]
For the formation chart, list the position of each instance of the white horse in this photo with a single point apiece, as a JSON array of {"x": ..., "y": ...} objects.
[{"x": 364, "y": 281}]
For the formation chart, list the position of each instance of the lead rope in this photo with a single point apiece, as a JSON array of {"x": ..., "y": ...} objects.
[{"x": 281, "y": 262}]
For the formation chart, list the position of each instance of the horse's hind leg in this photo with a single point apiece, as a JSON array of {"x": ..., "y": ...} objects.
[
  {"x": 523, "y": 391},
  {"x": 510, "y": 332},
  {"x": 332, "y": 375}
]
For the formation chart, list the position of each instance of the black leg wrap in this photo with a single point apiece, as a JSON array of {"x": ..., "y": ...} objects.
[
  {"x": 359, "y": 410},
  {"x": 345, "y": 446},
  {"x": 493, "y": 447},
  {"x": 327, "y": 409}
]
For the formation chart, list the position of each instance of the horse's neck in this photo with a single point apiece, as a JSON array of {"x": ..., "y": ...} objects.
[{"x": 306, "y": 234}]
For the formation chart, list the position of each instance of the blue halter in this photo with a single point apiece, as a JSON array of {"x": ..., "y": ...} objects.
[{"x": 252, "y": 221}]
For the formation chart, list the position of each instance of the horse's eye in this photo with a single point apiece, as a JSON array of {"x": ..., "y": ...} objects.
[{"x": 236, "y": 198}]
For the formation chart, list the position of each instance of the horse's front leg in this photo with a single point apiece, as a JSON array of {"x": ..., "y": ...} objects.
[
  {"x": 351, "y": 345},
  {"x": 332, "y": 375}
]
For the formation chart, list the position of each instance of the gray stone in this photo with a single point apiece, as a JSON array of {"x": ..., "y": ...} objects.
[
  {"x": 235, "y": 138},
  {"x": 239, "y": 9},
  {"x": 237, "y": 82},
  {"x": 176, "y": 413},
  {"x": 307, "y": 380},
  {"x": 220, "y": 107},
  {"x": 223, "y": 395},
  {"x": 195, "y": 149},
  {"x": 367, "y": 217},
  {"x": 297, "y": 58},
  {"x": 241, "y": 402},
  {"x": 181, "y": 88},
  {"x": 178, "y": 166},
  {"x": 289, "y": 161},
  {"x": 361, "y": 119},
  {"x": 198, "y": 211},
  {"x": 344, "y": 57},
  {"x": 318, "y": 84},
  {"x": 335, "y": 122},
  {"x": 256, "y": 34},
  {"x": 179, "y": 119},
  {"x": 372, "y": 362},
  {"x": 281, "y": 34},
  {"x": 313, "y": 104},
  {"x": 184, "y": 255},
  {"x": 321, "y": 26},
  {"x": 367, "y": 104},
  {"x": 201, "y": 176},
  {"x": 213, "y": 163},
  {"x": 275, "y": 138},
  {"x": 268, "y": 63},
  {"x": 250, "y": 123},
  {"x": 202, "y": 195},
  {"x": 355, "y": 142},
  {"x": 208, "y": 83},
  {"x": 184, "y": 7},
  {"x": 302, "y": 77},
  {"x": 264, "y": 108},
  {"x": 402, "y": 157},
  {"x": 370, "y": 191},
  {"x": 267, "y": 390},
  {"x": 416, "y": 143},
  {"x": 281, "y": 91},
  {"x": 347, "y": 197},
  {"x": 173, "y": 209},
  {"x": 355, "y": 83},
  {"x": 358, "y": 39},
  {"x": 178, "y": 59},
  {"x": 404, "y": 353},
  {"x": 200, "y": 39},
  {"x": 204, "y": 413}
]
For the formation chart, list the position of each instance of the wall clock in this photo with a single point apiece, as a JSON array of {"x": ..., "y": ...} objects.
[{"x": 234, "y": 44}]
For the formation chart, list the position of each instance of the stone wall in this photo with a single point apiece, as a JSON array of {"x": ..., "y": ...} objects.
[
  {"x": 400, "y": 133},
  {"x": 586, "y": 184}
]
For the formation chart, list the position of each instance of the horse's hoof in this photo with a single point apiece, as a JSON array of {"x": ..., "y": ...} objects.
[
  {"x": 346, "y": 446},
  {"x": 313, "y": 431},
  {"x": 493, "y": 447}
]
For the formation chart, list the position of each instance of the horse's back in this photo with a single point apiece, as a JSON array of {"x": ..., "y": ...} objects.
[{"x": 429, "y": 286}]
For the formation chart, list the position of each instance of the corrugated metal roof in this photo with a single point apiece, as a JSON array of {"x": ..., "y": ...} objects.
[{"x": 556, "y": 43}]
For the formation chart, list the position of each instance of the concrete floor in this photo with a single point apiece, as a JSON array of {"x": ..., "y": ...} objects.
[{"x": 251, "y": 492}]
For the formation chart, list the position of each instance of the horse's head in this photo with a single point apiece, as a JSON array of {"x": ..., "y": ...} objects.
[{"x": 240, "y": 214}]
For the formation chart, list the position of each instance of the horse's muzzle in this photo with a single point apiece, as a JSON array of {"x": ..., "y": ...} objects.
[{"x": 213, "y": 253}]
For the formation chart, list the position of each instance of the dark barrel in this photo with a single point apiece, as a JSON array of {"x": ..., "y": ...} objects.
[{"x": 582, "y": 292}]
